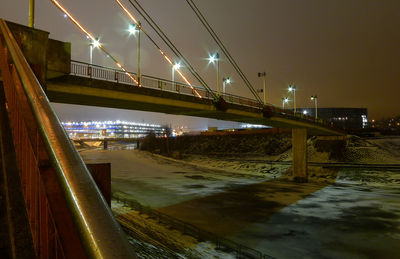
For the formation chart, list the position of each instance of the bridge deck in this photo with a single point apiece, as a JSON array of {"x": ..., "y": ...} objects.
[{"x": 74, "y": 89}]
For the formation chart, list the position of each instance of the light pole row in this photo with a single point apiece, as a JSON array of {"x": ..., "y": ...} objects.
[
  {"x": 136, "y": 28},
  {"x": 292, "y": 89}
]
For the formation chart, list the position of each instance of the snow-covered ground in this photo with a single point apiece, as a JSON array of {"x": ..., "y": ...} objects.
[
  {"x": 358, "y": 216},
  {"x": 158, "y": 182},
  {"x": 342, "y": 220}
]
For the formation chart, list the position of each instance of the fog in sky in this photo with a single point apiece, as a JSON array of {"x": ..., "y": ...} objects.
[{"x": 344, "y": 51}]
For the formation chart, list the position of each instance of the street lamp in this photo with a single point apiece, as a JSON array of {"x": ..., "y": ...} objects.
[
  {"x": 315, "y": 99},
  {"x": 225, "y": 81},
  {"x": 264, "y": 76},
  {"x": 174, "y": 67},
  {"x": 93, "y": 44},
  {"x": 133, "y": 29},
  {"x": 292, "y": 89},
  {"x": 212, "y": 59},
  {"x": 284, "y": 100}
]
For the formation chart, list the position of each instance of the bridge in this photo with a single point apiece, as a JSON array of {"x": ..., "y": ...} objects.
[
  {"x": 42, "y": 171},
  {"x": 94, "y": 85}
]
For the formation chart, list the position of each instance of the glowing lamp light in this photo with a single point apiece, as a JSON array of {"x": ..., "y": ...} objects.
[
  {"x": 213, "y": 58},
  {"x": 292, "y": 88},
  {"x": 285, "y": 100},
  {"x": 228, "y": 80},
  {"x": 133, "y": 29},
  {"x": 305, "y": 112},
  {"x": 96, "y": 43},
  {"x": 177, "y": 66}
]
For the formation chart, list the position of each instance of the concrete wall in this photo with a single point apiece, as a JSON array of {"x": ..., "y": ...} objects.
[
  {"x": 48, "y": 58},
  {"x": 33, "y": 44},
  {"x": 335, "y": 145},
  {"x": 58, "y": 58}
]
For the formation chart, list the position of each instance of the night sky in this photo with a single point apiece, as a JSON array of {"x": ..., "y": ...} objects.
[{"x": 345, "y": 51}]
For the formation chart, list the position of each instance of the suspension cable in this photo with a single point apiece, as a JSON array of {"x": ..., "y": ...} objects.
[
  {"x": 169, "y": 43},
  {"x": 169, "y": 59},
  {"x": 214, "y": 35},
  {"x": 89, "y": 35}
]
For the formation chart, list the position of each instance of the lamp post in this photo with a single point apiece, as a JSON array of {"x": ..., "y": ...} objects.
[
  {"x": 212, "y": 59},
  {"x": 91, "y": 53},
  {"x": 315, "y": 99},
  {"x": 93, "y": 44},
  {"x": 292, "y": 89},
  {"x": 136, "y": 28},
  {"x": 264, "y": 76},
  {"x": 225, "y": 81},
  {"x": 284, "y": 100},
  {"x": 174, "y": 67}
]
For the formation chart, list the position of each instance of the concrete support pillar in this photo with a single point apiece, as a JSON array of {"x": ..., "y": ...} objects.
[{"x": 299, "y": 153}]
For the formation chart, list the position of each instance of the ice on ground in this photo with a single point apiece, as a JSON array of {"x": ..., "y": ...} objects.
[
  {"x": 158, "y": 182},
  {"x": 209, "y": 250},
  {"x": 357, "y": 217},
  {"x": 339, "y": 221}
]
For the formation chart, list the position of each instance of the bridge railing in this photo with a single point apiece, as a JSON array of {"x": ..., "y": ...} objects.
[
  {"x": 67, "y": 214},
  {"x": 83, "y": 69},
  {"x": 116, "y": 75}
]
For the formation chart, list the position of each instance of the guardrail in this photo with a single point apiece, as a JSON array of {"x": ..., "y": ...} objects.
[
  {"x": 240, "y": 250},
  {"x": 68, "y": 215},
  {"x": 116, "y": 75}
]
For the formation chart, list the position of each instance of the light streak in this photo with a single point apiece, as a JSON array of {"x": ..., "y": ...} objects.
[
  {"x": 179, "y": 72},
  {"x": 90, "y": 36},
  {"x": 162, "y": 52}
]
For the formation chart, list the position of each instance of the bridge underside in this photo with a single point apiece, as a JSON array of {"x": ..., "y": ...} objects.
[{"x": 85, "y": 91}]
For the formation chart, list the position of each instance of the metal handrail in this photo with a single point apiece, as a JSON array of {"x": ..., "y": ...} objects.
[
  {"x": 100, "y": 234},
  {"x": 241, "y": 100},
  {"x": 229, "y": 98}
]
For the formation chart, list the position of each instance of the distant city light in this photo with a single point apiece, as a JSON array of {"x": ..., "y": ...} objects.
[
  {"x": 364, "y": 121},
  {"x": 249, "y": 126},
  {"x": 114, "y": 129}
]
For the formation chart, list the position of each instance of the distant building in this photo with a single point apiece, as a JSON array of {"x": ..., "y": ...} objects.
[
  {"x": 111, "y": 129},
  {"x": 348, "y": 118}
]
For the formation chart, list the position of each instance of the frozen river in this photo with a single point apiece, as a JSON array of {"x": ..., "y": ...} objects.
[
  {"x": 347, "y": 219},
  {"x": 343, "y": 220}
]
